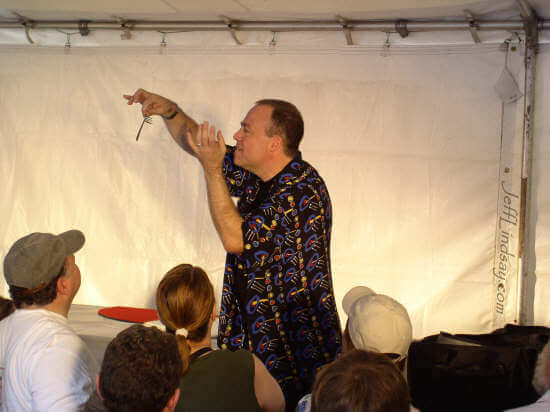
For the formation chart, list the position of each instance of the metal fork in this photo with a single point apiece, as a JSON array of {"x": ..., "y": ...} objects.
[{"x": 146, "y": 119}]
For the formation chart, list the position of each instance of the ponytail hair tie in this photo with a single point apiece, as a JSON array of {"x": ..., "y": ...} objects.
[{"x": 183, "y": 332}]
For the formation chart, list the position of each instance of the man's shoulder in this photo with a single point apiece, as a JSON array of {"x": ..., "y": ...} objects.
[
  {"x": 301, "y": 177},
  {"x": 306, "y": 171},
  {"x": 39, "y": 326}
]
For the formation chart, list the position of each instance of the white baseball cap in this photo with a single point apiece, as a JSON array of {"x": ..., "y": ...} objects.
[{"x": 377, "y": 322}]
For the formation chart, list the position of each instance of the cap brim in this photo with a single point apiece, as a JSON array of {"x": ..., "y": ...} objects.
[{"x": 74, "y": 240}]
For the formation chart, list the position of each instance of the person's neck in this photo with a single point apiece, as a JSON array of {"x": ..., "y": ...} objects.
[
  {"x": 273, "y": 168},
  {"x": 196, "y": 345},
  {"x": 58, "y": 306}
]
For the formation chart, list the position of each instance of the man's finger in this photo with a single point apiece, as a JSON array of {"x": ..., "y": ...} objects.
[
  {"x": 212, "y": 134},
  {"x": 203, "y": 136},
  {"x": 221, "y": 142}
]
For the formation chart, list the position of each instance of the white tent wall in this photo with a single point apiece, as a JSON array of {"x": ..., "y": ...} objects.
[{"x": 408, "y": 144}]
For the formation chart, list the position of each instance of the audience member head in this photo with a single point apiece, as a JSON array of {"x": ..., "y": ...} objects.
[
  {"x": 40, "y": 266},
  {"x": 6, "y": 307},
  {"x": 360, "y": 381},
  {"x": 287, "y": 122},
  {"x": 541, "y": 377},
  {"x": 141, "y": 371},
  {"x": 376, "y": 323},
  {"x": 185, "y": 302}
]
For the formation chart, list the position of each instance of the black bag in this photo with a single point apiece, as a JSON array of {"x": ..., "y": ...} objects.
[{"x": 488, "y": 372}]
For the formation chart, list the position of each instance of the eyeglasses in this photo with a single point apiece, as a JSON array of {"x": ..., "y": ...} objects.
[{"x": 146, "y": 119}]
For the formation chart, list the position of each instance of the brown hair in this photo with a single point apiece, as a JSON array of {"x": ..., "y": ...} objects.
[
  {"x": 360, "y": 381},
  {"x": 42, "y": 295},
  {"x": 185, "y": 299},
  {"x": 347, "y": 344},
  {"x": 287, "y": 122},
  {"x": 6, "y": 307},
  {"x": 141, "y": 370}
]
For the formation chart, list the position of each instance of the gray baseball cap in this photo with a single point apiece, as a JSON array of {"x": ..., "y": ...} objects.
[{"x": 37, "y": 258}]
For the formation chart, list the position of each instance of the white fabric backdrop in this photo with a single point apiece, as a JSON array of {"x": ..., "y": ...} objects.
[{"x": 408, "y": 144}]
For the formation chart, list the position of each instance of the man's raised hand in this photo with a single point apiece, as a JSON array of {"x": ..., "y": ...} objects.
[
  {"x": 208, "y": 146},
  {"x": 151, "y": 103}
]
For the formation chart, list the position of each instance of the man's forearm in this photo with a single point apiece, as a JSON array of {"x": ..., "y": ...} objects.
[
  {"x": 225, "y": 215},
  {"x": 178, "y": 125}
]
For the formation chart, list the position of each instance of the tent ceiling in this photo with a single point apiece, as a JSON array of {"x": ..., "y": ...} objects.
[{"x": 259, "y": 9}]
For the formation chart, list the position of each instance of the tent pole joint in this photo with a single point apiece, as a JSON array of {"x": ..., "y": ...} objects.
[
  {"x": 232, "y": 26},
  {"x": 531, "y": 24},
  {"x": 473, "y": 26},
  {"x": 27, "y": 25},
  {"x": 346, "y": 27}
]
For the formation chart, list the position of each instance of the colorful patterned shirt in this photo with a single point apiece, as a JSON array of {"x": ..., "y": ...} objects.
[{"x": 277, "y": 298}]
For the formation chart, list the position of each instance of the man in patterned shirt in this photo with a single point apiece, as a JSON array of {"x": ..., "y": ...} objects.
[{"x": 277, "y": 297}]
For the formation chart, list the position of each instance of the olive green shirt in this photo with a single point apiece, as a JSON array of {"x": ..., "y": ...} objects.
[{"x": 220, "y": 380}]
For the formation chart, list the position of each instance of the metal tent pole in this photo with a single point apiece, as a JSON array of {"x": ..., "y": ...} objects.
[
  {"x": 277, "y": 26},
  {"x": 526, "y": 279}
]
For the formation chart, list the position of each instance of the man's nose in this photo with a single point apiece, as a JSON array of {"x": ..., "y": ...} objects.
[{"x": 238, "y": 135}]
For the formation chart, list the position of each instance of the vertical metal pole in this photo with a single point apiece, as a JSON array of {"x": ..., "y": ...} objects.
[{"x": 527, "y": 242}]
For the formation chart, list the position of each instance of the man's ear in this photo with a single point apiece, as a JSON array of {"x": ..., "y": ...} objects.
[
  {"x": 97, "y": 387},
  {"x": 277, "y": 143},
  {"x": 173, "y": 401},
  {"x": 63, "y": 287}
]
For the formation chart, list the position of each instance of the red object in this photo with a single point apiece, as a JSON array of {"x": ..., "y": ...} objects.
[{"x": 129, "y": 314}]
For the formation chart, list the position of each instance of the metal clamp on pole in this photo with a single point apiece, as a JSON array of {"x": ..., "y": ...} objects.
[
  {"x": 127, "y": 31},
  {"x": 126, "y": 27},
  {"x": 232, "y": 29},
  {"x": 473, "y": 26},
  {"x": 401, "y": 28},
  {"x": 347, "y": 29},
  {"x": 83, "y": 27},
  {"x": 28, "y": 25}
]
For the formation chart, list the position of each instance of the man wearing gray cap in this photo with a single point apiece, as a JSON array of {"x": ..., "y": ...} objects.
[{"x": 46, "y": 366}]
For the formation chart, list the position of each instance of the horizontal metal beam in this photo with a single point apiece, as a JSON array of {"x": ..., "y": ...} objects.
[{"x": 275, "y": 26}]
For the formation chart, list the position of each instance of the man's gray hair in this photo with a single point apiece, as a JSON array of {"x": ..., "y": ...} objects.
[{"x": 540, "y": 377}]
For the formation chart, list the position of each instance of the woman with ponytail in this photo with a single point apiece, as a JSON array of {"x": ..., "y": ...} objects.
[{"x": 214, "y": 380}]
